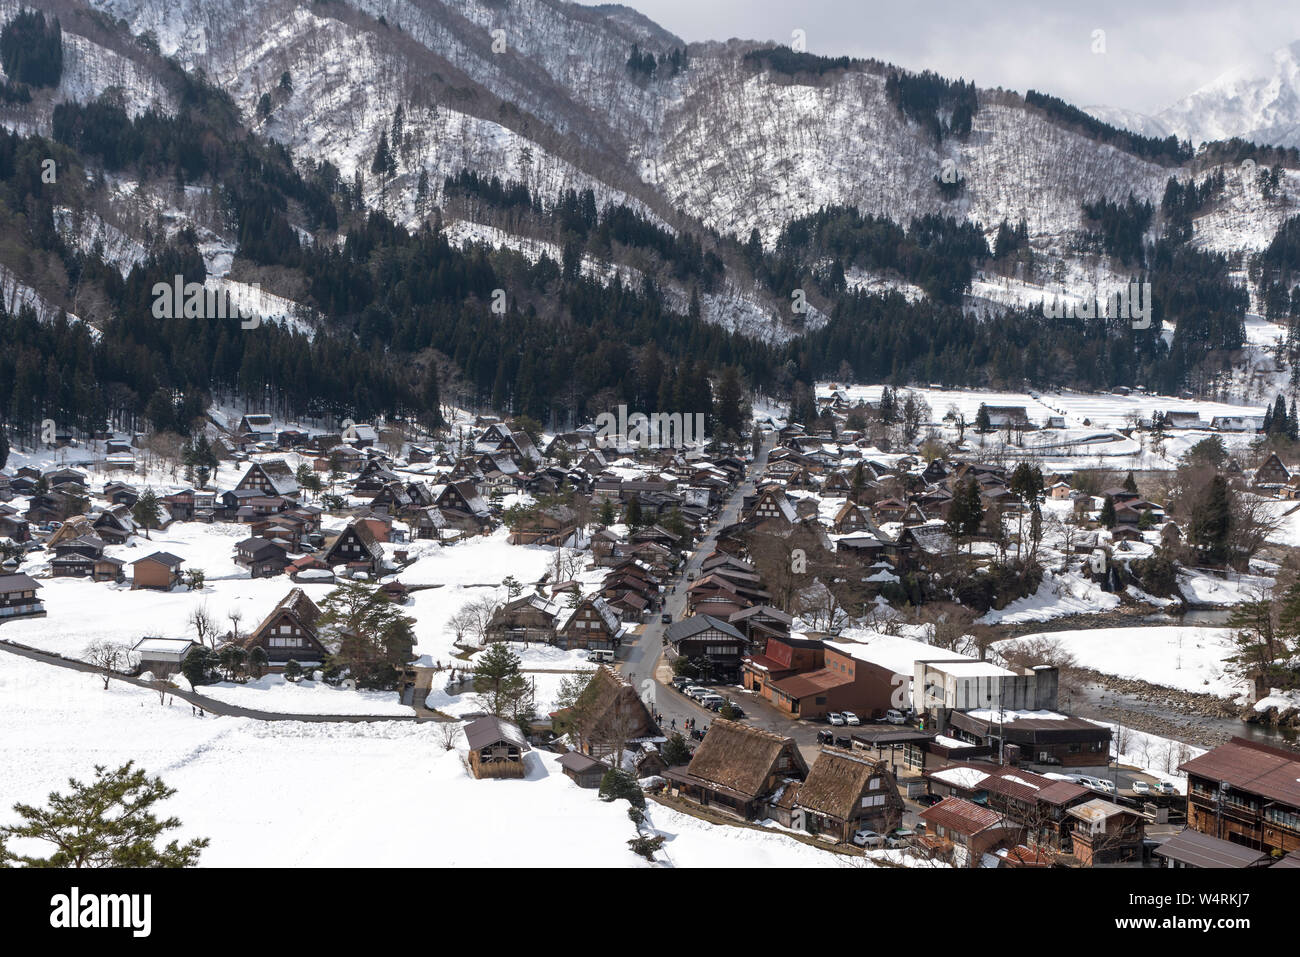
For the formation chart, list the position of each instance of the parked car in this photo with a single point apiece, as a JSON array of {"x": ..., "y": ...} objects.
[
  {"x": 895, "y": 717},
  {"x": 713, "y": 702},
  {"x": 835, "y": 718},
  {"x": 1164, "y": 787},
  {"x": 666, "y": 618},
  {"x": 900, "y": 838},
  {"x": 681, "y": 683},
  {"x": 843, "y": 742},
  {"x": 739, "y": 712},
  {"x": 865, "y": 838},
  {"x": 928, "y": 800},
  {"x": 1141, "y": 787},
  {"x": 694, "y": 691},
  {"x": 825, "y": 736},
  {"x": 850, "y": 717},
  {"x": 1107, "y": 786}
]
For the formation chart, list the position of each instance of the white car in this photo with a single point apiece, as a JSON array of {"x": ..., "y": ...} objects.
[
  {"x": 1164, "y": 787},
  {"x": 895, "y": 717},
  {"x": 1105, "y": 785},
  {"x": 850, "y": 717},
  {"x": 835, "y": 718},
  {"x": 1141, "y": 787},
  {"x": 866, "y": 838}
]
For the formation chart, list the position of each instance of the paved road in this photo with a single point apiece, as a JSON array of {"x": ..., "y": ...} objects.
[
  {"x": 210, "y": 705},
  {"x": 642, "y": 657}
]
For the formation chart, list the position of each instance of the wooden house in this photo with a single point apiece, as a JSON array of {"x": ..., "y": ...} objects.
[
  {"x": 966, "y": 831},
  {"x": 592, "y": 623},
  {"x": 262, "y": 557},
  {"x": 847, "y": 791},
  {"x": 289, "y": 631},
  {"x": 270, "y": 478},
  {"x": 710, "y": 639},
  {"x": 18, "y": 597},
  {"x": 738, "y": 769},
  {"x": 1106, "y": 833},
  {"x": 161, "y": 570},
  {"x": 527, "y": 618},
  {"x": 608, "y": 718},
  {"x": 355, "y": 546}
]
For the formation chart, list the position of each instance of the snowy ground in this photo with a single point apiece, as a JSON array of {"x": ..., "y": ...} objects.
[
  {"x": 272, "y": 693},
  {"x": 1057, "y": 597},
  {"x": 1190, "y": 659},
  {"x": 291, "y": 794}
]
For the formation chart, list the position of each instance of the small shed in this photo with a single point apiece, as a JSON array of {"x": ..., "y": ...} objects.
[
  {"x": 496, "y": 748},
  {"x": 162, "y": 656},
  {"x": 584, "y": 771}
]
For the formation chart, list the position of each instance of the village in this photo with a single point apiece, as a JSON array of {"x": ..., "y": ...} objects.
[{"x": 804, "y": 631}]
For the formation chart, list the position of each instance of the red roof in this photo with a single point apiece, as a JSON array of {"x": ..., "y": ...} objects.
[{"x": 957, "y": 814}]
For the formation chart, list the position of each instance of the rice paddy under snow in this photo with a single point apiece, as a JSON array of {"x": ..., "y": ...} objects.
[{"x": 292, "y": 794}]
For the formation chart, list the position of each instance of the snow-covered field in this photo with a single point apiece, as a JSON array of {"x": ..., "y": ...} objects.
[
  {"x": 290, "y": 794},
  {"x": 272, "y": 693},
  {"x": 1190, "y": 659}
]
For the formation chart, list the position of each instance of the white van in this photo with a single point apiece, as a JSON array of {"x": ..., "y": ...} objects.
[{"x": 602, "y": 655}]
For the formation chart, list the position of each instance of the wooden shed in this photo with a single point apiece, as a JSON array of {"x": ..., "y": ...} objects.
[
  {"x": 496, "y": 748},
  {"x": 584, "y": 771}
]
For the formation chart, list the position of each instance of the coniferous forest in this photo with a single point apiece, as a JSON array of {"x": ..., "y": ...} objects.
[{"x": 405, "y": 320}]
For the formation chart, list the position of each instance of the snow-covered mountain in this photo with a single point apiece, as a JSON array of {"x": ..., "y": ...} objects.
[
  {"x": 1257, "y": 101},
  {"x": 539, "y": 91}
]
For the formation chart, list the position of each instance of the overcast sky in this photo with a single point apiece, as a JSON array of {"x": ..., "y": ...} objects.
[{"x": 1157, "y": 51}]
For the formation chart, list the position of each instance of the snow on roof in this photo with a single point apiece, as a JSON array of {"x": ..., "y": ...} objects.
[
  {"x": 965, "y": 778},
  {"x": 1006, "y": 716},
  {"x": 168, "y": 646},
  {"x": 973, "y": 669},
  {"x": 894, "y": 652}
]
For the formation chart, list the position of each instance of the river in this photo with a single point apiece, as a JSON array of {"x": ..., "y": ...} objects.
[{"x": 1092, "y": 699}]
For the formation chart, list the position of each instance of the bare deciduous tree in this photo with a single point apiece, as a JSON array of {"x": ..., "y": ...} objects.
[
  {"x": 205, "y": 628},
  {"x": 110, "y": 658}
]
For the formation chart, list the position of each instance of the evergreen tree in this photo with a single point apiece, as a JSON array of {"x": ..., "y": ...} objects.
[
  {"x": 1130, "y": 483},
  {"x": 503, "y": 687},
  {"x": 632, "y": 516},
  {"x": 146, "y": 511},
  {"x": 982, "y": 422},
  {"x": 292, "y": 670},
  {"x": 109, "y": 822},
  {"x": 197, "y": 665},
  {"x": 375, "y": 639},
  {"x": 1211, "y": 521},
  {"x": 675, "y": 750},
  {"x": 728, "y": 406},
  {"x": 1280, "y": 423},
  {"x": 1107, "y": 515},
  {"x": 4, "y": 446}
]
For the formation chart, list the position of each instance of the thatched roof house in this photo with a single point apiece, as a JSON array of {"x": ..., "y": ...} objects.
[
  {"x": 608, "y": 717},
  {"x": 847, "y": 791},
  {"x": 738, "y": 768}
]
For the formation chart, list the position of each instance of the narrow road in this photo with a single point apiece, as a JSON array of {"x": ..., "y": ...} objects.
[
  {"x": 643, "y": 657},
  {"x": 211, "y": 705}
]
